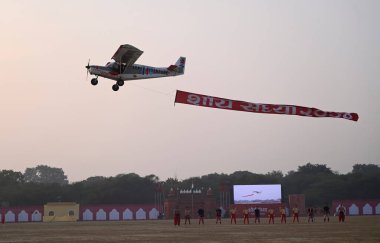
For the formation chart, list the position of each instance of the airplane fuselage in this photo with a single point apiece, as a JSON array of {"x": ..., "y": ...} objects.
[{"x": 113, "y": 71}]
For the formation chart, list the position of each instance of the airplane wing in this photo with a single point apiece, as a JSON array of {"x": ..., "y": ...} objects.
[{"x": 127, "y": 54}]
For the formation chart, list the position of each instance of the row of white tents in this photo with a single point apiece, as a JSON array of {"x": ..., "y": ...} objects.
[{"x": 87, "y": 215}]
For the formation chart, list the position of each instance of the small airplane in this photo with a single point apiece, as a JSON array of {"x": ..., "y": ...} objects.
[
  {"x": 123, "y": 68},
  {"x": 253, "y": 193}
]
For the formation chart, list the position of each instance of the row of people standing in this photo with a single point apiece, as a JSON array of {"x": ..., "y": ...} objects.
[
  {"x": 340, "y": 211},
  {"x": 233, "y": 211},
  {"x": 257, "y": 214}
]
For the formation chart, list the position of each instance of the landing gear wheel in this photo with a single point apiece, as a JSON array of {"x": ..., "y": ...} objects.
[
  {"x": 94, "y": 81},
  {"x": 120, "y": 82},
  {"x": 115, "y": 87}
]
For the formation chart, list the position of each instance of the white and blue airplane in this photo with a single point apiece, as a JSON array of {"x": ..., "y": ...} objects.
[{"x": 123, "y": 68}]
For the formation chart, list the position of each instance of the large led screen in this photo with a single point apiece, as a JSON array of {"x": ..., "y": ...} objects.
[{"x": 257, "y": 194}]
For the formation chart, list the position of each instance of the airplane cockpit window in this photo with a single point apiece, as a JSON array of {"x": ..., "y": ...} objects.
[{"x": 113, "y": 65}]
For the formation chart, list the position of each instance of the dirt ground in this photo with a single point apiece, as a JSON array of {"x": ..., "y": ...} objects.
[{"x": 355, "y": 229}]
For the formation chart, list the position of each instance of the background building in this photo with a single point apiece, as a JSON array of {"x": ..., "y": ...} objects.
[
  {"x": 61, "y": 212},
  {"x": 192, "y": 198}
]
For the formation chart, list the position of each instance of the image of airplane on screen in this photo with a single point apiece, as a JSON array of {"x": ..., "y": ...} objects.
[{"x": 257, "y": 194}]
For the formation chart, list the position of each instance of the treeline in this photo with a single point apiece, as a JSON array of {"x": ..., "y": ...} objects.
[{"x": 42, "y": 184}]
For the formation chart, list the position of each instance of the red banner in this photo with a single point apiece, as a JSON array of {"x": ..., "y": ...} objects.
[{"x": 221, "y": 103}]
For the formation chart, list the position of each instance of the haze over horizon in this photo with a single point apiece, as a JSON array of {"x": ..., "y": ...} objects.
[{"x": 322, "y": 54}]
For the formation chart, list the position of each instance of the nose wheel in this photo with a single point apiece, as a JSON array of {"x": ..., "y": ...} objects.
[{"x": 94, "y": 81}]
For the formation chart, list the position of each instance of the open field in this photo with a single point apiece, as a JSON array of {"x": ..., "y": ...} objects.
[{"x": 356, "y": 229}]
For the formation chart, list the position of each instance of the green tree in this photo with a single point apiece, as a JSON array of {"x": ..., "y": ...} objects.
[
  {"x": 318, "y": 182},
  {"x": 45, "y": 174},
  {"x": 368, "y": 169},
  {"x": 314, "y": 169},
  {"x": 10, "y": 177}
]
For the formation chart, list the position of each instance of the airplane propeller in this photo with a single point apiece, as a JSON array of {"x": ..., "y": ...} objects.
[{"x": 88, "y": 67}]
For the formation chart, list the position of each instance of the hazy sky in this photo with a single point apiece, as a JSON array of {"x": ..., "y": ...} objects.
[{"x": 323, "y": 54}]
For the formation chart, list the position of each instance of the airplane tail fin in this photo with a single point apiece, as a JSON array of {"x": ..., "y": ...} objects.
[{"x": 179, "y": 66}]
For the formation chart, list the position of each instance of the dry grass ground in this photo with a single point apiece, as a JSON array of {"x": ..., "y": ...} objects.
[{"x": 356, "y": 229}]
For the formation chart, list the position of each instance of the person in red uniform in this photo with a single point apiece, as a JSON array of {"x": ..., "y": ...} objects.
[
  {"x": 283, "y": 215},
  {"x": 233, "y": 215},
  {"x": 177, "y": 217},
  {"x": 218, "y": 216},
  {"x": 341, "y": 213},
  {"x": 246, "y": 216},
  {"x": 295, "y": 214},
  {"x": 187, "y": 215},
  {"x": 271, "y": 215}
]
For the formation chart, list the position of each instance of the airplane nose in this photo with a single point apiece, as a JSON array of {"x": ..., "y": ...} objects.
[
  {"x": 88, "y": 64},
  {"x": 90, "y": 68}
]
